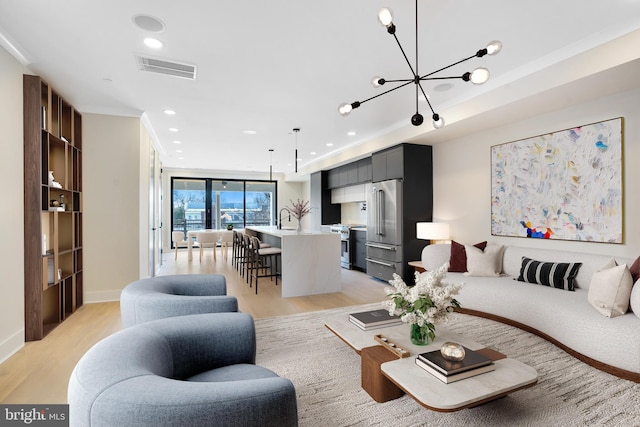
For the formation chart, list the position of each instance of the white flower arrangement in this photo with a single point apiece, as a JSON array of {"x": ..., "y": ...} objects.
[{"x": 426, "y": 303}]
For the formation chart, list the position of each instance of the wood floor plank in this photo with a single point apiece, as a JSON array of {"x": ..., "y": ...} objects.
[{"x": 39, "y": 372}]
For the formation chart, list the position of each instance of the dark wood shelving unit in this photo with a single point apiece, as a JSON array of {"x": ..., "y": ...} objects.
[{"x": 52, "y": 236}]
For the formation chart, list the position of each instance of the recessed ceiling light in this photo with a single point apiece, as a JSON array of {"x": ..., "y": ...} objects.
[
  {"x": 173, "y": 129},
  {"x": 351, "y": 133},
  {"x": 329, "y": 144},
  {"x": 180, "y": 158},
  {"x": 313, "y": 153},
  {"x": 249, "y": 132},
  {"x": 443, "y": 87},
  {"x": 177, "y": 142},
  {"x": 169, "y": 112},
  {"x": 149, "y": 23},
  {"x": 153, "y": 43},
  {"x": 178, "y": 151}
]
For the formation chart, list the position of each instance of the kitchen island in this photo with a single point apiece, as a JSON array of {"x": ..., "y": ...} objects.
[{"x": 310, "y": 261}]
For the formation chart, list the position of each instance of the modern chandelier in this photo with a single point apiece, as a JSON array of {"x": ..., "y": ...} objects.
[{"x": 478, "y": 76}]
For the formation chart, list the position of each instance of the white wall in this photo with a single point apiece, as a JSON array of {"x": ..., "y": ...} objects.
[
  {"x": 113, "y": 241},
  {"x": 287, "y": 191},
  {"x": 462, "y": 188},
  {"x": 12, "y": 213}
]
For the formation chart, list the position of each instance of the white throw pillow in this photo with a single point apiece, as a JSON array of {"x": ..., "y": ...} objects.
[
  {"x": 610, "y": 289},
  {"x": 634, "y": 301},
  {"x": 484, "y": 263}
]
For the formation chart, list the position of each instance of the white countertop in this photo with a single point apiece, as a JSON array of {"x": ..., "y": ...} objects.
[{"x": 273, "y": 230}]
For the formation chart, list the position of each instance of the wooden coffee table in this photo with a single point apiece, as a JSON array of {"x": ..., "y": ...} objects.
[{"x": 396, "y": 375}]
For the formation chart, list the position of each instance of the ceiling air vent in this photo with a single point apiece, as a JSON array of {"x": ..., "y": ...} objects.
[{"x": 166, "y": 67}]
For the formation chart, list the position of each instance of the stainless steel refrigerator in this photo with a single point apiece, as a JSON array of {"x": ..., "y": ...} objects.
[{"x": 384, "y": 229}]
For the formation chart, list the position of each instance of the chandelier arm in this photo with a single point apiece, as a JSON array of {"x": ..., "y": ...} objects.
[
  {"x": 386, "y": 91},
  {"x": 425, "y": 97},
  {"x": 400, "y": 80},
  {"x": 405, "y": 56},
  {"x": 442, "y": 78},
  {"x": 448, "y": 66}
]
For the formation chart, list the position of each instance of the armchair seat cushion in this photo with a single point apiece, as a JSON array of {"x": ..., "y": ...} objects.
[
  {"x": 239, "y": 372},
  {"x": 174, "y": 295}
]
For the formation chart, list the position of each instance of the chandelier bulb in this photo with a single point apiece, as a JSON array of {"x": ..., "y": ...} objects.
[
  {"x": 417, "y": 119},
  {"x": 479, "y": 76},
  {"x": 438, "y": 121},
  {"x": 344, "y": 109},
  {"x": 377, "y": 81},
  {"x": 385, "y": 17},
  {"x": 494, "y": 47}
]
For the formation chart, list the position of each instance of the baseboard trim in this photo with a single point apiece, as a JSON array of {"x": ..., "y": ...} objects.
[
  {"x": 11, "y": 345},
  {"x": 102, "y": 296}
]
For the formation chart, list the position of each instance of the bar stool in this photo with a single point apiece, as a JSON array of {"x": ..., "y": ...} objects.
[
  {"x": 235, "y": 249},
  {"x": 262, "y": 259},
  {"x": 247, "y": 257}
]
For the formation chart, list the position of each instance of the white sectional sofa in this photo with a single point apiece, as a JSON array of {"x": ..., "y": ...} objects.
[{"x": 565, "y": 318}]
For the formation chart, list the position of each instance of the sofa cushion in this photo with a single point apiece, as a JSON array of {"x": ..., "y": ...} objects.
[
  {"x": 554, "y": 274},
  {"x": 610, "y": 289},
  {"x": 458, "y": 258},
  {"x": 487, "y": 262}
]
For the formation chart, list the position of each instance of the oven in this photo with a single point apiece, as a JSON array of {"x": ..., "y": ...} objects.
[{"x": 346, "y": 244}]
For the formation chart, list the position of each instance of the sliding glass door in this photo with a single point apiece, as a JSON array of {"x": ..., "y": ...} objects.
[{"x": 207, "y": 203}]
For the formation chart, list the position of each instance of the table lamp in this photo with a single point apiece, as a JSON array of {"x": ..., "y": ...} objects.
[{"x": 432, "y": 231}]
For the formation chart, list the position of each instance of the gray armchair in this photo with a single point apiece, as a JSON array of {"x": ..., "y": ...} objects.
[
  {"x": 175, "y": 295},
  {"x": 196, "y": 370}
]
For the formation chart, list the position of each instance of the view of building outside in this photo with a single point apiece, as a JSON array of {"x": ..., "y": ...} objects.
[
  {"x": 237, "y": 203},
  {"x": 188, "y": 198}
]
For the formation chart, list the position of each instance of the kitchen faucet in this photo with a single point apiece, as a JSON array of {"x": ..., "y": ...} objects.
[{"x": 280, "y": 217}]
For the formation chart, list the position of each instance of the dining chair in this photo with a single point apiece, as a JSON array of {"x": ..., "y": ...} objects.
[
  {"x": 178, "y": 241},
  {"x": 226, "y": 239},
  {"x": 207, "y": 239}
]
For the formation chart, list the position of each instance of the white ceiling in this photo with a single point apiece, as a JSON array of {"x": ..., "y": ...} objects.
[{"x": 272, "y": 66}]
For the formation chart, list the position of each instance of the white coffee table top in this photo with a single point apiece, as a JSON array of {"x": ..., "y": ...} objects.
[{"x": 510, "y": 375}]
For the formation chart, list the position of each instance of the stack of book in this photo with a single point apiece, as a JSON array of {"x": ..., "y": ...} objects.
[
  {"x": 447, "y": 371},
  {"x": 373, "y": 319}
]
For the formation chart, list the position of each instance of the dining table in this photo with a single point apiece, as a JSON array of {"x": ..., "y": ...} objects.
[{"x": 224, "y": 238}]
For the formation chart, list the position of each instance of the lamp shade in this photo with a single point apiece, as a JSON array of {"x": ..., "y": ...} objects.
[{"x": 432, "y": 231}]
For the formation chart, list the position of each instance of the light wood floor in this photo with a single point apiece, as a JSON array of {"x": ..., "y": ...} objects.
[{"x": 39, "y": 372}]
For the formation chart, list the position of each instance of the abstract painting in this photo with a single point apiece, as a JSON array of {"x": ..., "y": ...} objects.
[{"x": 565, "y": 185}]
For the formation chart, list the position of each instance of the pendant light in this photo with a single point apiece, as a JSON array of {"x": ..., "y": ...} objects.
[
  {"x": 478, "y": 76},
  {"x": 270, "y": 164},
  {"x": 295, "y": 132}
]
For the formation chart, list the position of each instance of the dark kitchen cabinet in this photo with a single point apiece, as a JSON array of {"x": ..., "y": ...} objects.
[
  {"x": 388, "y": 164},
  {"x": 322, "y": 210},
  {"x": 354, "y": 173},
  {"x": 359, "y": 249},
  {"x": 364, "y": 170}
]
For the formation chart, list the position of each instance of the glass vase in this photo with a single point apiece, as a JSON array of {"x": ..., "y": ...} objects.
[
  {"x": 299, "y": 227},
  {"x": 419, "y": 334}
]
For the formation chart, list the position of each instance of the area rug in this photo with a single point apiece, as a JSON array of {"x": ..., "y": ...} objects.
[{"x": 326, "y": 375}]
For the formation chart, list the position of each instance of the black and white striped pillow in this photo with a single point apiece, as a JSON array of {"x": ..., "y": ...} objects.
[{"x": 554, "y": 274}]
